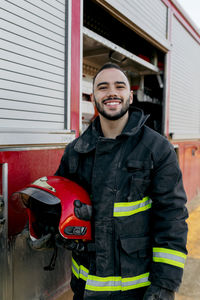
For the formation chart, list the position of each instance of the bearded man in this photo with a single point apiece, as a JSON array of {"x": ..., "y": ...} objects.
[{"x": 132, "y": 174}]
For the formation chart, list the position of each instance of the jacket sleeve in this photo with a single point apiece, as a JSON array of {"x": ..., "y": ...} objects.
[
  {"x": 63, "y": 169},
  {"x": 68, "y": 164},
  {"x": 169, "y": 227}
]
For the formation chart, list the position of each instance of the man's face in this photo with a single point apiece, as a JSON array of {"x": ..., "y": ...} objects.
[{"x": 112, "y": 95}]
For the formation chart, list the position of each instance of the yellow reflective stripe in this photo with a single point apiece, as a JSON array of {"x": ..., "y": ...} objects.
[
  {"x": 75, "y": 268},
  {"x": 110, "y": 283},
  {"x": 83, "y": 272},
  {"x": 96, "y": 283},
  {"x": 170, "y": 251},
  {"x": 169, "y": 256},
  {"x": 79, "y": 271},
  {"x": 136, "y": 286},
  {"x": 128, "y": 204},
  {"x": 168, "y": 261},
  {"x": 116, "y": 283},
  {"x": 142, "y": 280},
  {"x": 75, "y": 263},
  {"x": 74, "y": 271},
  {"x": 123, "y": 209},
  {"x": 129, "y": 279}
]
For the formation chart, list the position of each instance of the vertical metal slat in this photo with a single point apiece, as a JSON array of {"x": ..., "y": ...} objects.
[{"x": 5, "y": 257}]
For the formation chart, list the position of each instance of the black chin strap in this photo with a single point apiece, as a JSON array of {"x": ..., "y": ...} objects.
[{"x": 52, "y": 263}]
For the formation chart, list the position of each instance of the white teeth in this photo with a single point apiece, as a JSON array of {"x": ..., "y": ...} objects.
[{"x": 112, "y": 103}]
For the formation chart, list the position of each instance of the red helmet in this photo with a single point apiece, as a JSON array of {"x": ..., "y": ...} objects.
[{"x": 60, "y": 205}]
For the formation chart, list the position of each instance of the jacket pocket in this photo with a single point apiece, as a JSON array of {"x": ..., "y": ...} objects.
[
  {"x": 135, "y": 255},
  {"x": 134, "y": 165},
  {"x": 138, "y": 188},
  {"x": 104, "y": 248}
]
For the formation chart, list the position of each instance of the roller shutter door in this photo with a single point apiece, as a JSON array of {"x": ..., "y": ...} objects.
[
  {"x": 184, "y": 84},
  {"x": 149, "y": 15},
  {"x": 32, "y": 61}
]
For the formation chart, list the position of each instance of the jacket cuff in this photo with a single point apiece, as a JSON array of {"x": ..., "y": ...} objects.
[{"x": 158, "y": 276}]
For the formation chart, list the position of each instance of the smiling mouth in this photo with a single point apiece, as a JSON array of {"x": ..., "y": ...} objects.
[{"x": 112, "y": 102}]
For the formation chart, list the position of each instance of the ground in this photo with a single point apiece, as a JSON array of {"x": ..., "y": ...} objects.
[{"x": 190, "y": 288}]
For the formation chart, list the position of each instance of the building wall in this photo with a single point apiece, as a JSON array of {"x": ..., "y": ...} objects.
[
  {"x": 189, "y": 160},
  {"x": 40, "y": 71},
  {"x": 183, "y": 105},
  {"x": 184, "y": 100},
  {"x": 32, "y": 37}
]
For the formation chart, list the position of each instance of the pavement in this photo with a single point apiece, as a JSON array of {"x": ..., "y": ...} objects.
[
  {"x": 67, "y": 296},
  {"x": 190, "y": 288}
]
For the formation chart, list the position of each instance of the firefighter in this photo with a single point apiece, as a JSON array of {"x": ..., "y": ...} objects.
[{"x": 132, "y": 176}]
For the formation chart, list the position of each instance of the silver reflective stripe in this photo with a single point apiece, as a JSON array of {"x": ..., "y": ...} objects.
[
  {"x": 79, "y": 270},
  {"x": 122, "y": 209},
  {"x": 139, "y": 280},
  {"x": 116, "y": 283},
  {"x": 83, "y": 273},
  {"x": 103, "y": 281},
  {"x": 75, "y": 268},
  {"x": 111, "y": 283},
  {"x": 169, "y": 256}
]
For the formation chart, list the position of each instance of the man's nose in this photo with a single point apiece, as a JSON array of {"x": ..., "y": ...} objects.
[{"x": 112, "y": 92}]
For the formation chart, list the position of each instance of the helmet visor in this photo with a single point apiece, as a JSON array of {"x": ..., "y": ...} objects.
[{"x": 41, "y": 195}]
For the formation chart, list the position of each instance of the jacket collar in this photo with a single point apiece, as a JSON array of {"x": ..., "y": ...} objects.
[
  {"x": 136, "y": 120},
  {"x": 88, "y": 140}
]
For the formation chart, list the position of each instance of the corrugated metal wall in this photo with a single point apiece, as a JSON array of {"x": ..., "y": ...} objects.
[
  {"x": 32, "y": 61},
  {"x": 184, "y": 112},
  {"x": 150, "y": 15}
]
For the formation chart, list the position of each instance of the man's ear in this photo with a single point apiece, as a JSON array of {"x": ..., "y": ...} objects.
[
  {"x": 92, "y": 99},
  {"x": 131, "y": 97}
]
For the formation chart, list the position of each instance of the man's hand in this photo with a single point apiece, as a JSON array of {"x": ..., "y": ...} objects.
[
  {"x": 69, "y": 244},
  {"x": 157, "y": 293}
]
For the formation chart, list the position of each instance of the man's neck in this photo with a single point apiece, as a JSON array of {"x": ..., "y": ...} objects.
[{"x": 111, "y": 129}]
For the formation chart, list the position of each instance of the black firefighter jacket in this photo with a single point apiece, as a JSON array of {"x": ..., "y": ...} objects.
[{"x": 139, "y": 213}]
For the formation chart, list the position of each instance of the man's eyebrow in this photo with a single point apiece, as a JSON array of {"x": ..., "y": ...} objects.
[
  {"x": 116, "y": 82},
  {"x": 120, "y": 82},
  {"x": 100, "y": 83}
]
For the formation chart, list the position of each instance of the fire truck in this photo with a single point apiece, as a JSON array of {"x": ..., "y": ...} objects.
[{"x": 50, "y": 51}]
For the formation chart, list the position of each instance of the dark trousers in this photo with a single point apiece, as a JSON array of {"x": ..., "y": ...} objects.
[
  {"x": 77, "y": 297},
  {"x": 130, "y": 295}
]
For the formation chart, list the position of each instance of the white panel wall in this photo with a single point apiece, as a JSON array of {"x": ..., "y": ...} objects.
[
  {"x": 184, "y": 117},
  {"x": 32, "y": 61},
  {"x": 87, "y": 85},
  {"x": 149, "y": 15}
]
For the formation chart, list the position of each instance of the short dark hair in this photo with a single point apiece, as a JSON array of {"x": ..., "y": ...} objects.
[{"x": 109, "y": 65}]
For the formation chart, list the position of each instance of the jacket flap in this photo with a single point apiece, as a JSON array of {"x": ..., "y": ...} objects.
[
  {"x": 134, "y": 244},
  {"x": 139, "y": 164}
]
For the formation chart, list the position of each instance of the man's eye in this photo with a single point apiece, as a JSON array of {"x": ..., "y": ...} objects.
[
  {"x": 120, "y": 86},
  {"x": 102, "y": 87}
]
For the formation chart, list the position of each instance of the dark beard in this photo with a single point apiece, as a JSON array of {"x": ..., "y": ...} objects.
[{"x": 120, "y": 114}]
